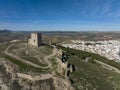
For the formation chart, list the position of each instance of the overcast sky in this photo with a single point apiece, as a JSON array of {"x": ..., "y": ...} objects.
[{"x": 78, "y": 15}]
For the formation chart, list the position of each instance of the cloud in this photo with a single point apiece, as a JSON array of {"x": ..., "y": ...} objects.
[
  {"x": 97, "y": 7},
  {"x": 111, "y": 9},
  {"x": 114, "y": 14},
  {"x": 102, "y": 7}
]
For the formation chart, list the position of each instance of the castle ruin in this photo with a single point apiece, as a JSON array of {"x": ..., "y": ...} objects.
[{"x": 35, "y": 40}]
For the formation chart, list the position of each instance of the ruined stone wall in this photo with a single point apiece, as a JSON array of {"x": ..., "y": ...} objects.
[
  {"x": 21, "y": 81},
  {"x": 65, "y": 65}
]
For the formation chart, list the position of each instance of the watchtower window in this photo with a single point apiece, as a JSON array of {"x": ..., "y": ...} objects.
[{"x": 34, "y": 40}]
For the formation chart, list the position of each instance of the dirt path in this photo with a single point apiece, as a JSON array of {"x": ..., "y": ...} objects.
[
  {"x": 109, "y": 67},
  {"x": 46, "y": 58}
]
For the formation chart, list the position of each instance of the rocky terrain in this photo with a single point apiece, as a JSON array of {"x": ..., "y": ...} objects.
[{"x": 12, "y": 79}]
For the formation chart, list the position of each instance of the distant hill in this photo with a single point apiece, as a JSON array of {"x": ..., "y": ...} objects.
[{"x": 5, "y": 31}]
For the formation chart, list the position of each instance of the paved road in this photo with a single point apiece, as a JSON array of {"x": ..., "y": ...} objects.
[
  {"x": 30, "y": 63},
  {"x": 109, "y": 67}
]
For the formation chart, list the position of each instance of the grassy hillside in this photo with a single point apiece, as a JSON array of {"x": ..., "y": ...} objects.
[
  {"x": 22, "y": 66},
  {"x": 33, "y": 54},
  {"x": 89, "y": 75}
]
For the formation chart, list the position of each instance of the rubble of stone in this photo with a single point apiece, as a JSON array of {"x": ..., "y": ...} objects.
[
  {"x": 62, "y": 60},
  {"x": 16, "y": 80},
  {"x": 62, "y": 84}
]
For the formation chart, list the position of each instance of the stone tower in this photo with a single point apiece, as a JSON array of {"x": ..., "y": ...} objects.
[{"x": 35, "y": 40}]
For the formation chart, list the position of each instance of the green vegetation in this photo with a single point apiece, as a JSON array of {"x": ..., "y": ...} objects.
[
  {"x": 88, "y": 44},
  {"x": 32, "y": 54},
  {"x": 3, "y": 47},
  {"x": 89, "y": 75},
  {"x": 33, "y": 60},
  {"x": 22, "y": 66},
  {"x": 54, "y": 63},
  {"x": 45, "y": 49},
  {"x": 25, "y": 67},
  {"x": 82, "y": 54}
]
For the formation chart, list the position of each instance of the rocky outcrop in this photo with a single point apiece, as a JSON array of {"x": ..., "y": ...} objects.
[
  {"x": 7, "y": 76},
  {"x": 12, "y": 79},
  {"x": 62, "y": 84},
  {"x": 36, "y": 85}
]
